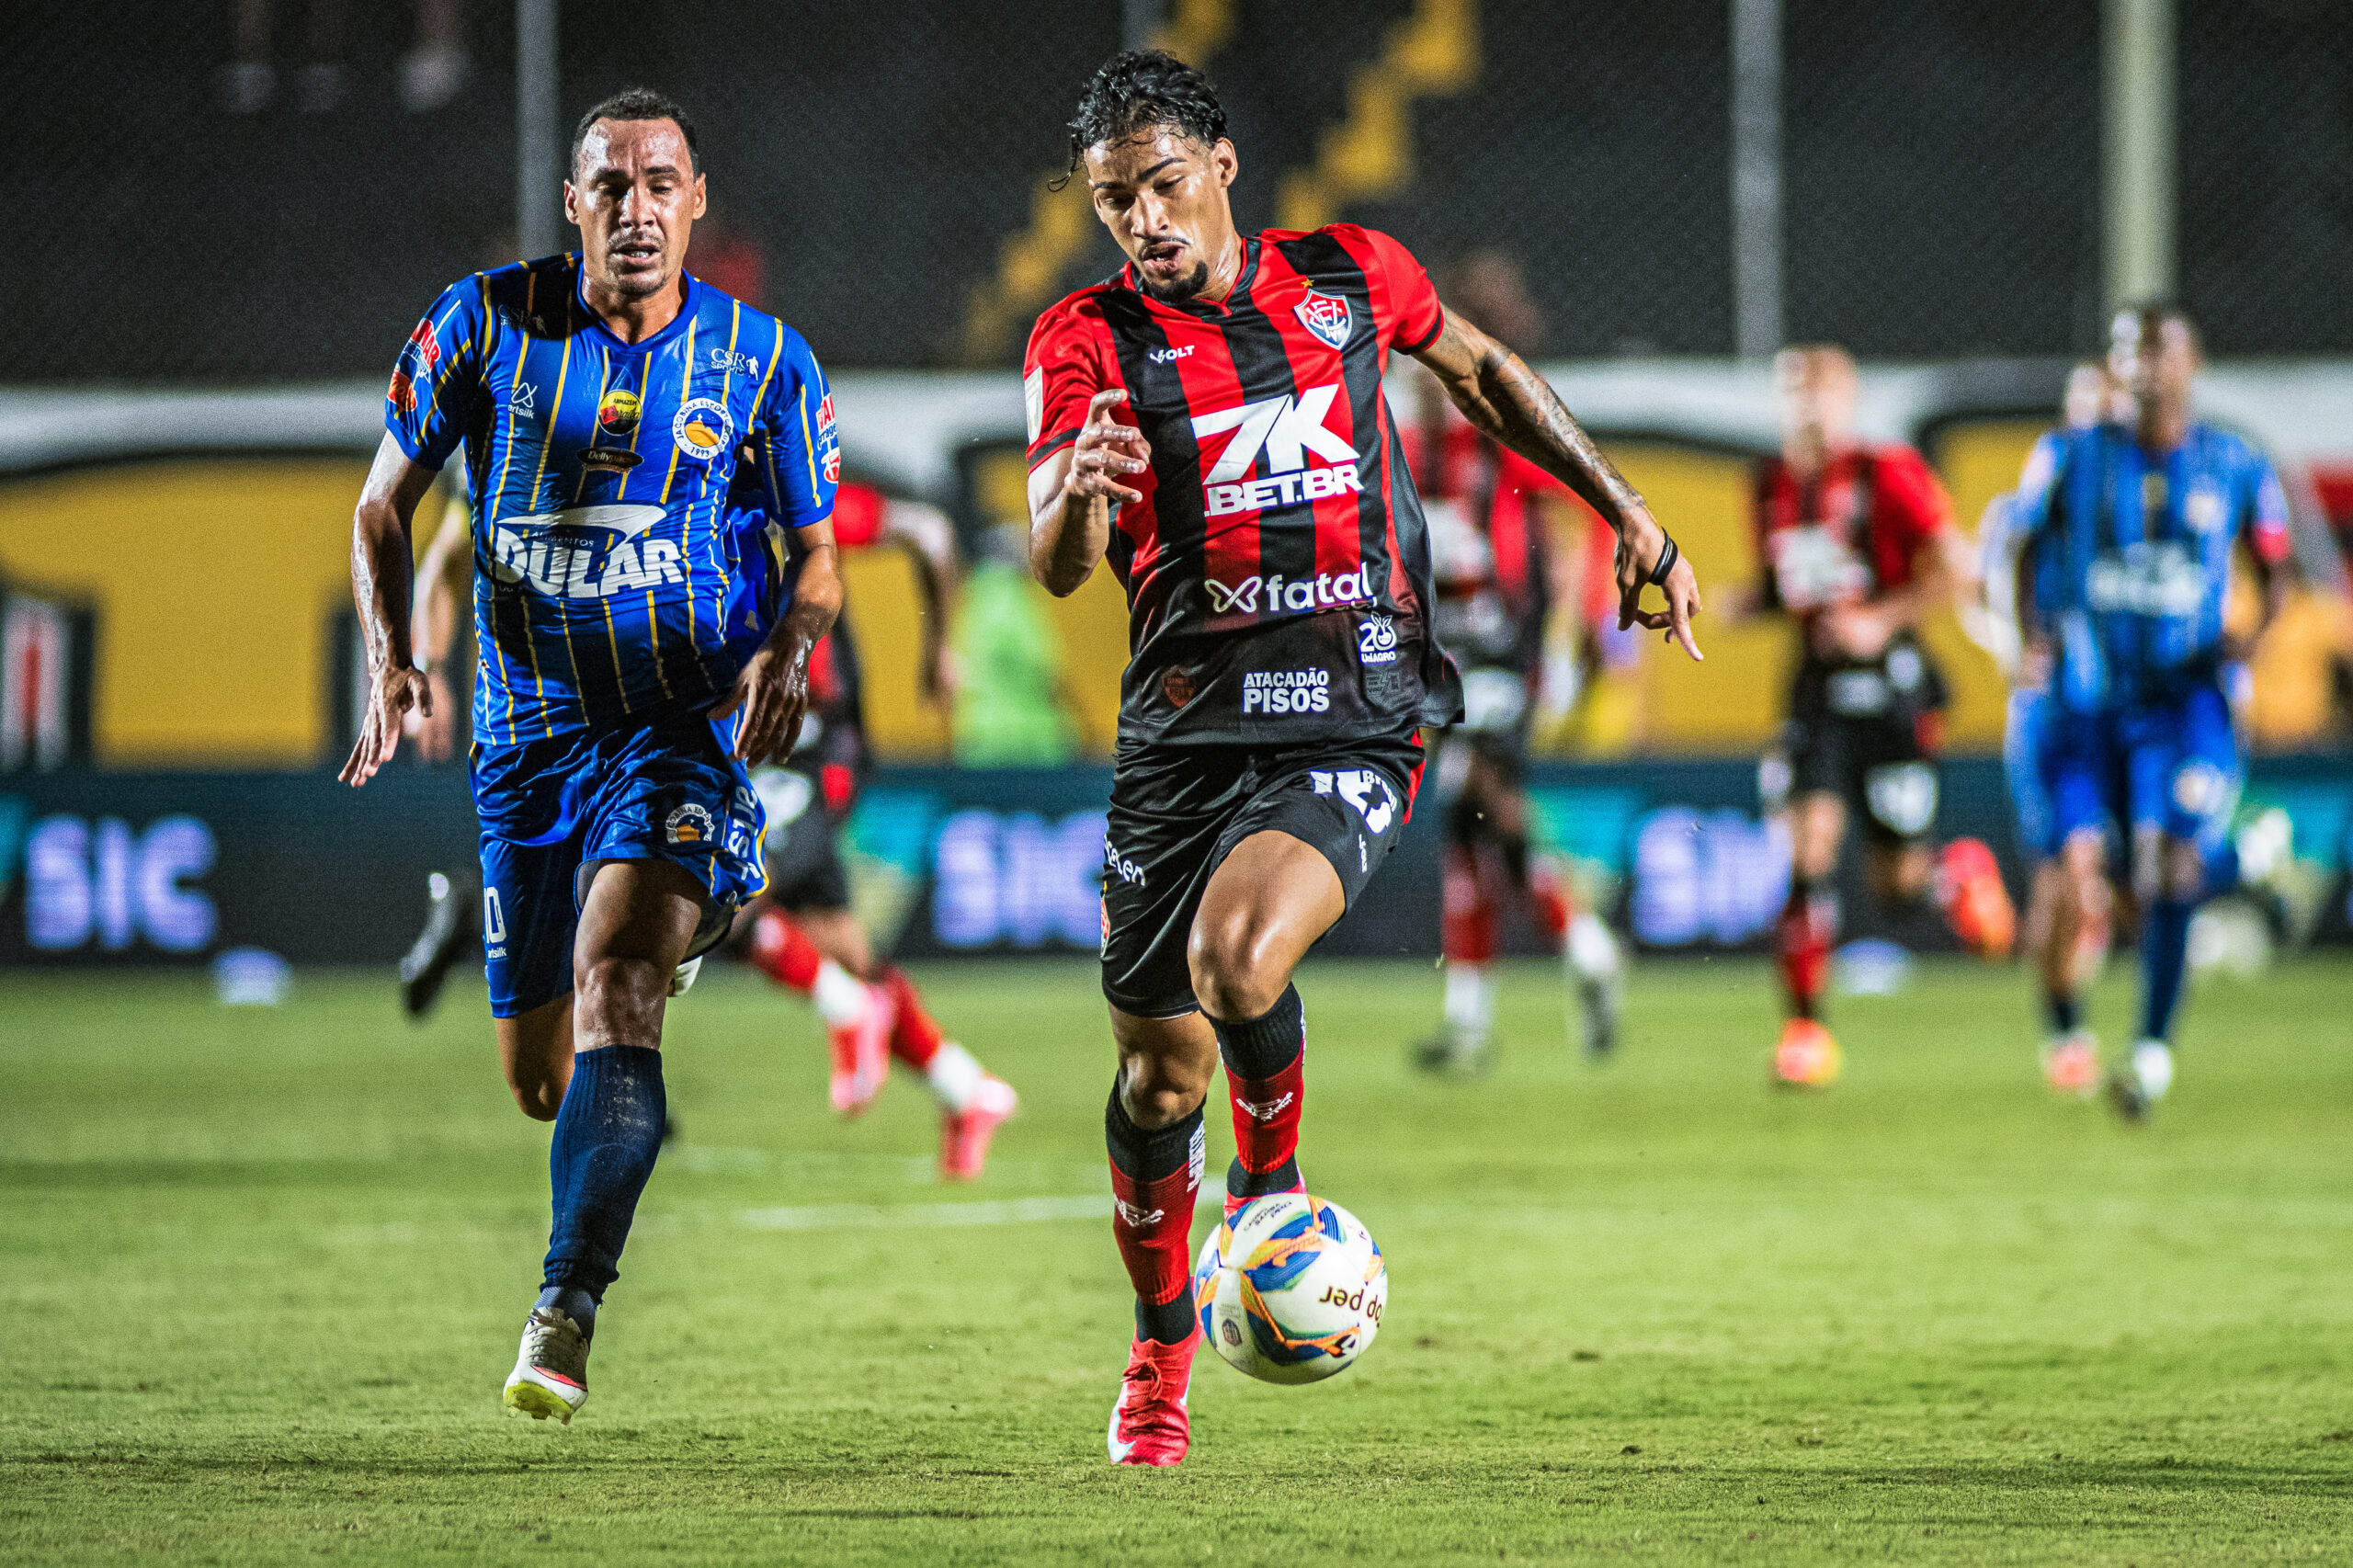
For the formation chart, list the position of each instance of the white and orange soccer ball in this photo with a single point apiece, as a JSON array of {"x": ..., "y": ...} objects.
[{"x": 1292, "y": 1289}]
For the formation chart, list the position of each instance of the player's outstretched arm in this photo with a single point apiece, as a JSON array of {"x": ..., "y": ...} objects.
[
  {"x": 1071, "y": 495},
  {"x": 772, "y": 690},
  {"x": 382, "y": 585},
  {"x": 1499, "y": 393}
]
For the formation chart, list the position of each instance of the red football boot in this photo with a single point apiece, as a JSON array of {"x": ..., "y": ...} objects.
[
  {"x": 1150, "y": 1425},
  {"x": 862, "y": 1053},
  {"x": 1976, "y": 905},
  {"x": 964, "y": 1135}
]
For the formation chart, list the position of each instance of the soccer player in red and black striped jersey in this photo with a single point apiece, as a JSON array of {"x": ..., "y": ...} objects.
[{"x": 1210, "y": 419}]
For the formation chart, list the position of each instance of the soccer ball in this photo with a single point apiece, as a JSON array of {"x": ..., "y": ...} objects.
[{"x": 1292, "y": 1289}]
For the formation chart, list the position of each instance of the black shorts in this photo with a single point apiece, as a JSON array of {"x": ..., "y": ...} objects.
[
  {"x": 802, "y": 844},
  {"x": 1177, "y": 811},
  {"x": 1884, "y": 766}
]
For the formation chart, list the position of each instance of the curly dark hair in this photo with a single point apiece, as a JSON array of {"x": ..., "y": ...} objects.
[
  {"x": 638, "y": 103},
  {"x": 1140, "y": 90}
]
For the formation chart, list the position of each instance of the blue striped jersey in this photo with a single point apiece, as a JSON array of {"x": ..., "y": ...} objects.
[
  {"x": 611, "y": 576},
  {"x": 2132, "y": 555}
]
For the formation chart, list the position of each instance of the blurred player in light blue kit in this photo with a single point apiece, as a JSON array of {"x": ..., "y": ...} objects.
[
  {"x": 638, "y": 649},
  {"x": 2069, "y": 910},
  {"x": 2129, "y": 536}
]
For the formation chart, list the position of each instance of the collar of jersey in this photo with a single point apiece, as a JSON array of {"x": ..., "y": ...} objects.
[
  {"x": 1237, "y": 296},
  {"x": 611, "y": 340},
  {"x": 2192, "y": 435}
]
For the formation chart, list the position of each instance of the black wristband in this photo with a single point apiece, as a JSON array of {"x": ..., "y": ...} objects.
[{"x": 1667, "y": 556}]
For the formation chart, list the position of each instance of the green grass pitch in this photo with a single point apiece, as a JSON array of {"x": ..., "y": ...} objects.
[{"x": 262, "y": 1272}]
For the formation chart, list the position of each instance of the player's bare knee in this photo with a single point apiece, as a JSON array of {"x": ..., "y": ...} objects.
[
  {"x": 1234, "y": 974},
  {"x": 620, "y": 999},
  {"x": 1159, "y": 1089},
  {"x": 2181, "y": 870},
  {"x": 1163, "y": 1080}
]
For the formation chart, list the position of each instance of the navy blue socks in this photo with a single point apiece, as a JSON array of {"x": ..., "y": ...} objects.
[
  {"x": 607, "y": 1135},
  {"x": 2164, "y": 953},
  {"x": 2065, "y": 1013},
  {"x": 573, "y": 1302}
]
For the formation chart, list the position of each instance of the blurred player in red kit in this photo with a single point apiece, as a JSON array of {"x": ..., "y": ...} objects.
[
  {"x": 1857, "y": 543},
  {"x": 1505, "y": 540},
  {"x": 801, "y": 932},
  {"x": 1210, "y": 420}
]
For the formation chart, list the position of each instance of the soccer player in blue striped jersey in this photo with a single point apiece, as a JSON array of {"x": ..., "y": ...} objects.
[
  {"x": 2052, "y": 764},
  {"x": 2130, "y": 531},
  {"x": 638, "y": 649}
]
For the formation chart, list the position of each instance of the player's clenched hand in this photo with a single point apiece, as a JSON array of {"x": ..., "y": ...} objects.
[
  {"x": 1105, "y": 451},
  {"x": 772, "y": 694},
  {"x": 392, "y": 692},
  {"x": 1640, "y": 544}
]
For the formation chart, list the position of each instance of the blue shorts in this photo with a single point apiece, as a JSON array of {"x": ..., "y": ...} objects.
[
  {"x": 2181, "y": 766},
  {"x": 2062, "y": 773},
  {"x": 555, "y": 808}
]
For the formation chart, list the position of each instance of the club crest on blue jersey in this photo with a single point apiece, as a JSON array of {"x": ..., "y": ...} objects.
[
  {"x": 690, "y": 824},
  {"x": 702, "y": 428},
  {"x": 617, "y": 417},
  {"x": 1325, "y": 316}
]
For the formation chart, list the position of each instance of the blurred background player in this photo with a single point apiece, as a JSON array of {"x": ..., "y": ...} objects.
[
  {"x": 1508, "y": 542},
  {"x": 444, "y": 581},
  {"x": 801, "y": 932},
  {"x": 2070, "y": 912},
  {"x": 1857, "y": 544},
  {"x": 2130, "y": 535}
]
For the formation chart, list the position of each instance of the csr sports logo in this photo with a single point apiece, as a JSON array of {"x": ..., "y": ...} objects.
[{"x": 1305, "y": 458}]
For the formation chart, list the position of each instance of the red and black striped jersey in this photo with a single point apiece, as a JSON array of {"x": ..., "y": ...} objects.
[{"x": 1278, "y": 568}]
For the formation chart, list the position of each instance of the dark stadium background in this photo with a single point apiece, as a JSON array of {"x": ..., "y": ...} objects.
[
  {"x": 1941, "y": 163},
  {"x": 874, "y": 170}
]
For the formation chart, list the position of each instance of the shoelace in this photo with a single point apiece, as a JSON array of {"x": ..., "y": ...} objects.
[
  {"x": 1158, "y": 1416},
  {"x": 541, "y": 1329}
]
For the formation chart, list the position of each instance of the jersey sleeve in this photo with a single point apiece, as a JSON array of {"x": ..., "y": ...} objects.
[
  {"x": 1061, "y": 371},
  {"x": 2265, "y": 512},
  {"x": 1404, "y": 301},
  {"x": 440, "y": 374},
  {"x": 1912, "y": 501},
  {"x": 2036, "y": 505},
  {"x": 796, "y": 452}
]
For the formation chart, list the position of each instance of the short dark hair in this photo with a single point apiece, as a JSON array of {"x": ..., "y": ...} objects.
[
  {"x": 1140, "y": 90},
  {"x": 637, "y": 103},
  {"x": 2157, "y": 313}
]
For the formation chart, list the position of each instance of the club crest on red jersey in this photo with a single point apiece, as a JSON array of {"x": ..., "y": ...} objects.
[{"x": 1325, "y": 316}]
